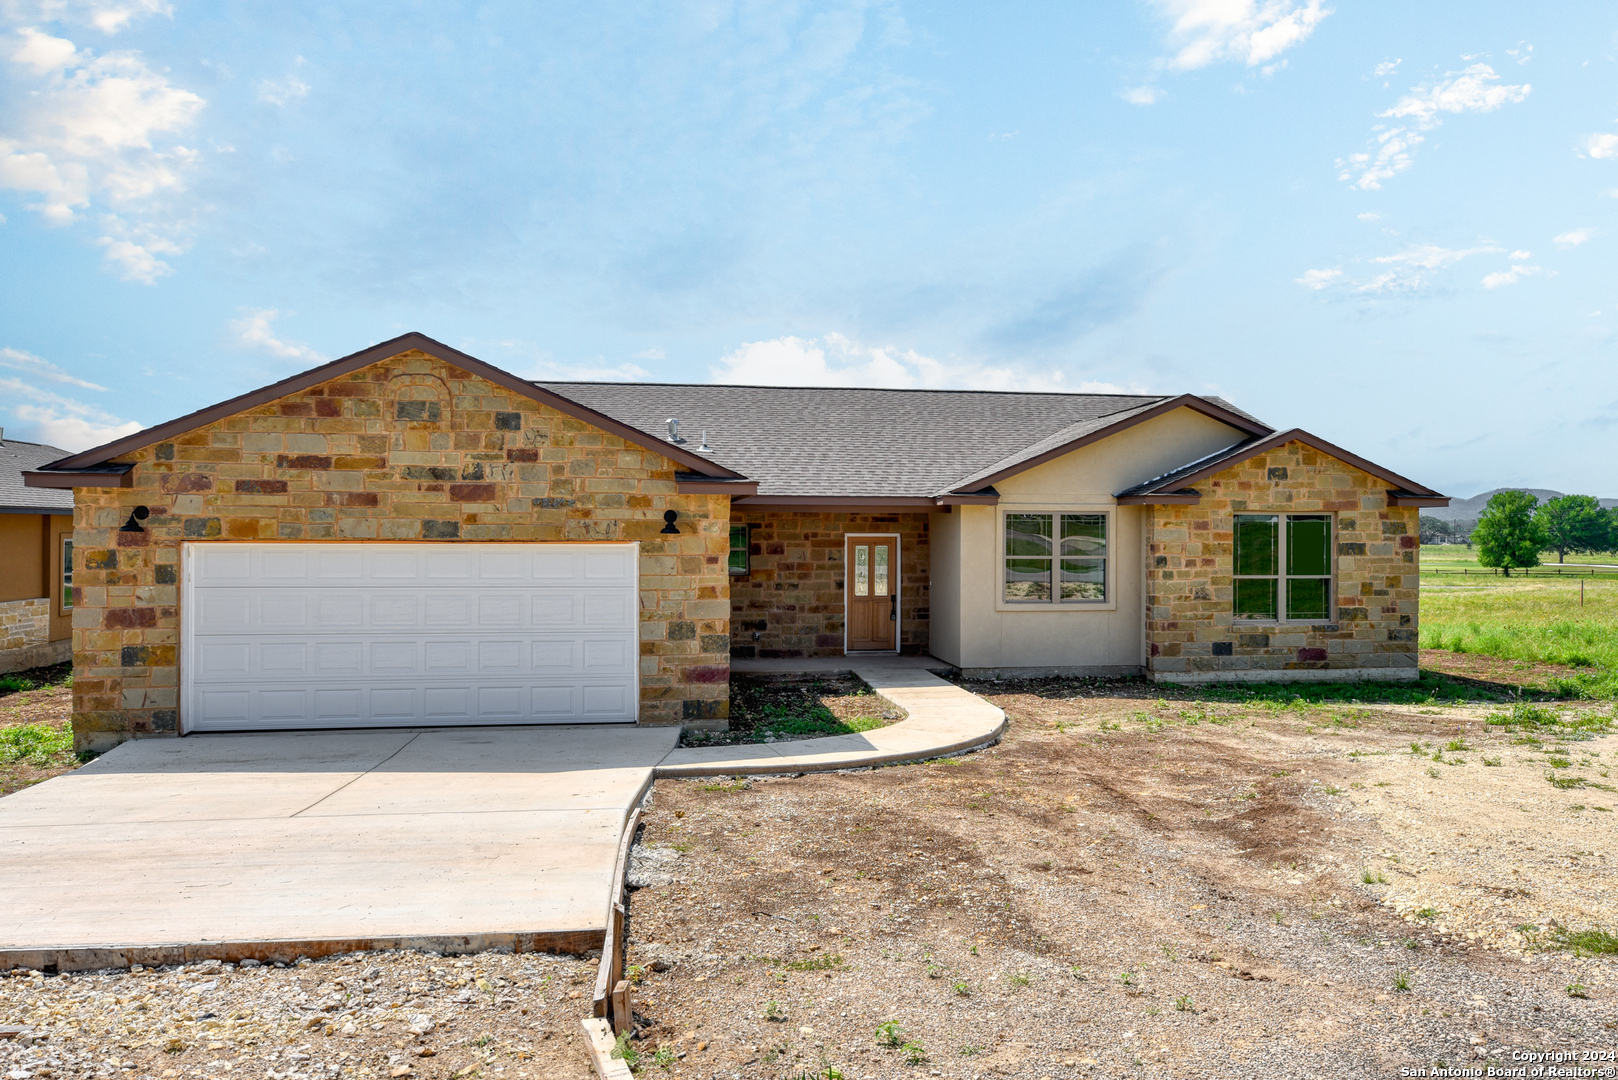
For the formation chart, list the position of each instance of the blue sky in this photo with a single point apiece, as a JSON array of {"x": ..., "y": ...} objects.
[{"x": 1391, "y": 225}]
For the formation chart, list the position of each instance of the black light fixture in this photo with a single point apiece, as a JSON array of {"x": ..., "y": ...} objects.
[
  {"x": 136, "y": 516},
  {"x": 668, "y": 521}
]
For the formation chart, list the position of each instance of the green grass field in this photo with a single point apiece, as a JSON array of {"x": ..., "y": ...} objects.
[{"x": 1535, "y": 618}]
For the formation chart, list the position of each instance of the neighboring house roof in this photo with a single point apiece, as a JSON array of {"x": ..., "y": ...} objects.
[
  {"x": 15, "y": 498},
  {"x": 1175, "y": 486},
  {"x": 891, "y": 444}
]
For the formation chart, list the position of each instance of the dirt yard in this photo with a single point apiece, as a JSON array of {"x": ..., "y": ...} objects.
[
  {"x": 1131, "y": 885},
  {"x": 1134, "y": 882},
  {"x": 35, "y": 743}
]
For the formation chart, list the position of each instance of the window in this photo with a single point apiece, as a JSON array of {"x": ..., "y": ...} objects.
[
  {"x": 1283, "y": 564},
  {"x": 738, "y": 550},
  {"x": 1056, "y": 558},
  {"x": 67, "y": 573}
]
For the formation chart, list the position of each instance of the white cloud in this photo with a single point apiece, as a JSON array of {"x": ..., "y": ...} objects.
[
  {"x": 835, "y": 360},
  {"x": 1318, "y": 279},
  {"x": 1252, "y": 31},
  {"x": 1520, "y": 254},
  {"x": 1511, "y": 276},
  {"x": 85, "y": 135},
  {"x": 1408, "y": 271},
  {"x": 37, "y": 367},
  {"x": 1473, "y": 90},
  {"x": 1370, "y": 215},
  {"x": 281, "y": 91},
  {"x": 62, "y": 421},
  {"x": 1522, "y": 55},
  {"x": 108, "y": 16},
  {"x": 255, "y": 330},
  {"x": 1611, "y": 193},
  {"x": 653, "y": 353},
  {"x": 1143, "y": 95},
  {"x": 1386, "y": 68},
  {"x": 1602, "y": 146},
  {"x": 1573, "y": 238},
  {"x": 1394, "y": 155}
]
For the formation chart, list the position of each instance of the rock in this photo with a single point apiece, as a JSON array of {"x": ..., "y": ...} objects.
[
  {"x": 651, "y": 866},
  {"x": 249, "y": 963}
]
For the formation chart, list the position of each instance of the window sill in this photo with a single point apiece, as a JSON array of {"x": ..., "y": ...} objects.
[{"x": 1104, "y": 606}]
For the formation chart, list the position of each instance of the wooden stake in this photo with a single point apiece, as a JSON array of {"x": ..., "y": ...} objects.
[{"x": 622, "y": 1018}]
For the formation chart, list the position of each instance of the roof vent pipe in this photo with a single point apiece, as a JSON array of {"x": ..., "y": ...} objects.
[
  {"x": 705, "y": 448},
  {"x": 674, "y": 430}
]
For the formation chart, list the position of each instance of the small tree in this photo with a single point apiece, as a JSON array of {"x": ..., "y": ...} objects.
[
  {"x": 1575, "y": 523},
  {"x": 1507, "y": 534},
  {"x": 1435, "y": 530}
]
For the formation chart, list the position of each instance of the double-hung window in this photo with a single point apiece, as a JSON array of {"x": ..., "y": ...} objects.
[
  {"x": 1055, "y": 559},
  {"x": 738, "y": 550},
  {"x": 1283, "y": 567}
]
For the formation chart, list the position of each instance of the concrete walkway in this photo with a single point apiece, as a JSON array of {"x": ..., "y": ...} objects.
[
  {"x": 304, "y": 844},
  {"x": 941, "y": 719},
  {"x": 292, "y": 844}
]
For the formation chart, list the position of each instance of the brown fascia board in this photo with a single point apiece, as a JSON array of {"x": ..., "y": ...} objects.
[
  {"x": 1405, "y": 498},
  {"x": 118, "y": 476},
  {"x": 1185, "y": 497},
  {"x": 1187, "y": 401},
  {"x": 365, "y": 358},
  {"x": 1253, "y": 449},
  {"x": 689, "y": 484},
  {"x": 906, "y": 503}
]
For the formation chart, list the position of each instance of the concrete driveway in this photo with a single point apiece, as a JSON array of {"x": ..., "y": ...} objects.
[{"x": 279, "y": 845}]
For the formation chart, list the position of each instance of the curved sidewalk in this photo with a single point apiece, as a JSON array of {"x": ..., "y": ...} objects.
[{"x": 941, "y": 719}]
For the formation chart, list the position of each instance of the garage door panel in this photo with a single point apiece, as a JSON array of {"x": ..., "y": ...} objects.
[{"x": 320, "y": 635}]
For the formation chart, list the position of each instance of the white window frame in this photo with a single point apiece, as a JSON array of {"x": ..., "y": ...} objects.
[
  {"x": 1108, "y": 511},
  {"x": 1282, "y": 577}
]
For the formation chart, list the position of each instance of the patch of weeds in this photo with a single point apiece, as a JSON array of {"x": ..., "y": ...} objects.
[
  {"x": 1455, "y": 746},
  {"x": 774, "y": 1013},
  {"x": 890, "y": 1034},
  {"x": 1427, "y": 913},
  {"x": 1411, "y": 943},
  {"x": 915, "y": 1053},
  {"x": 1558, "y": 762},
  {"x": 1169, "y": 951},
  {"x": 1492, "y": 762},
  {"x": 816, "y": 963},
  {"x": 1593, "y": 942},
  {"x": 1434, "y": 773},
  {"x": 736, "y": 785},
  {"x": 961, "y": 989},
  {"x": 1331, "y": 789},
  {"x": 1018, "y": 978},
  {"x": 1401, "y": 981},
  {"x": 934, "y": 971},
  {"x": 1577, "y": 990},
  {"x": 970, "y": 1051},
  {"x": 1078, "y": 973},
  {"x": 664, "y": 1057},
  {"x": 624, "y": 1052},
  {"x": 1127, "y": 978},
  {"x": 1564, "y": 783},
  {"x": 1373, "y": 877},
  {"x": 39, "y": 745},
  {"x": 1183, "y": 1003}
]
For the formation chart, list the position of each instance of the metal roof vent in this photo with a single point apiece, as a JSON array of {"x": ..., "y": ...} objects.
[
  {"x": 705, "y": 448},
  {"x": 674, "y": 430}
]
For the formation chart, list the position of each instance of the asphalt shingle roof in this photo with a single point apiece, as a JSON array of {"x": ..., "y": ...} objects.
[
  {"x": 14, "y": 458},
  {"x": 830, "y": 441}
]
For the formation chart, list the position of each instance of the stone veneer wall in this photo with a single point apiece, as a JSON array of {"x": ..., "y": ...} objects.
[
  {"x": 1191, "y": 632},
  {"x": 791, "y": 602},
  {"x": 410, "y": 448},
  {"x": 25, "y": 634}
]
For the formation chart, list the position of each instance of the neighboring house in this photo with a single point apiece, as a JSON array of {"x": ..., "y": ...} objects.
[
  {"x": 36, "y": 562},
  {"x": 409, "y": 536}
]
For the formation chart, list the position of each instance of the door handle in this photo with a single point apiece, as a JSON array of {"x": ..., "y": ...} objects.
[{"x": 893, "y": 608}]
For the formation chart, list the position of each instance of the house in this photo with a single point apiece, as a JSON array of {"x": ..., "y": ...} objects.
[
  {"x": 411, "y": 536},
  {"x": 36, "y": 562}
]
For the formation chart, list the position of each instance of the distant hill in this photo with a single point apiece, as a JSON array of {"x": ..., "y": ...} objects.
[{"x": 1469, "y": 509}]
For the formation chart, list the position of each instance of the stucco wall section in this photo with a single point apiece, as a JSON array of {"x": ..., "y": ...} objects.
[
  {"x": 409, "y": 448},
  {"x": 1192, "y": 632},
  {"x": 791, "y": 602}
]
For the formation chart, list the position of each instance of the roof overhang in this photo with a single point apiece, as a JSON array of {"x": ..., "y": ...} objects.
[
  {"x": 100, "y": 455},
  {"x": 1405, "y": 498},
  {"x": 692, "y": 484},
  {"x": 118, "y": 476},
  {"x": 1183, "y": 401},
  {"x": 1182, "y": 497}
]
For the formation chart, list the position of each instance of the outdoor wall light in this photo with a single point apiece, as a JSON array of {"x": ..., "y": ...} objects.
[
  {"x": 136, "y": 516},
  {"x": 668, "y": 521}
]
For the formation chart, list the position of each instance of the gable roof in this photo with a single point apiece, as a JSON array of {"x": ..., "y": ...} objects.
[
  {"x": 100, "y": 455},
  {"x": 1174, "y": 486},
  {"x": 842, "y": 442},
  {"x": 17, "y": 498}
]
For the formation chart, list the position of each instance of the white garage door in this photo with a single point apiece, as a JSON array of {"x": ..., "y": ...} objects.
[{"x": 337, "y": 635}]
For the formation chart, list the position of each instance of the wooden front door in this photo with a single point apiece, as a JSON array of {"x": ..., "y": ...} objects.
[{"x": 873, "y": 592}]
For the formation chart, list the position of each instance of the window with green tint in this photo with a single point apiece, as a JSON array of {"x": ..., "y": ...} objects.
[
  {"x": 1283, "y": 567},
  {"x": 738, "y": 549},
  {"x": 1054, "y": 558}
]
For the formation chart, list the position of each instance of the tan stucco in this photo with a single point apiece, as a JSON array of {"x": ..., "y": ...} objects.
[{"x": 974, "y": 630}]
